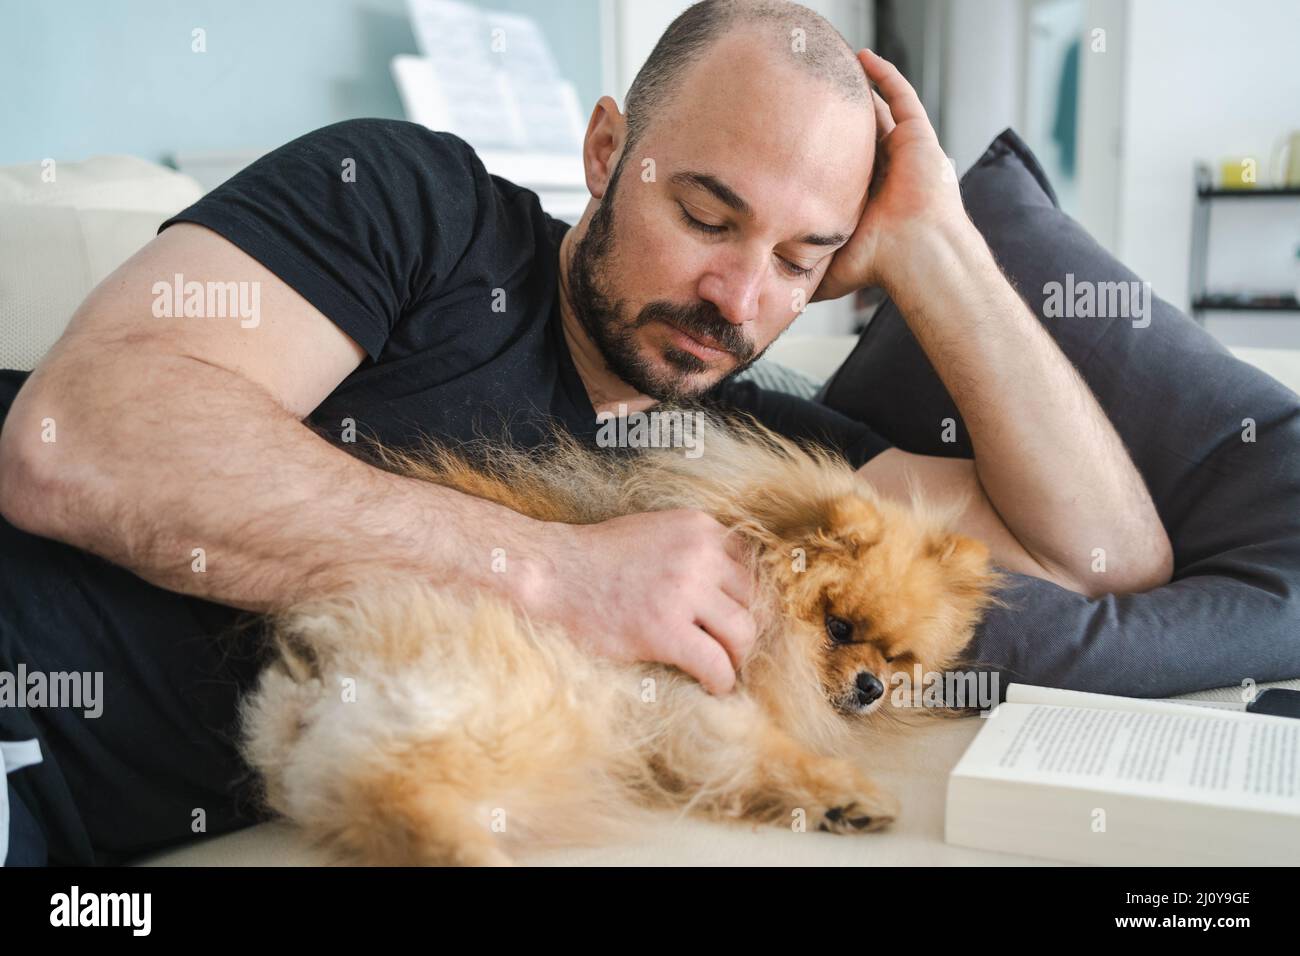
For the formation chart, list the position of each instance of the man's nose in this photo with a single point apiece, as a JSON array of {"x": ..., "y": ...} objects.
[{"x": 735, "y": 287}]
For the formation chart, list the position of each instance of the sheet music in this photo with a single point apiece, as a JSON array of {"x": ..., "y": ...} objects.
[
  {"x": 501, "y": 85},
  {"x": 533, "y": 82}
]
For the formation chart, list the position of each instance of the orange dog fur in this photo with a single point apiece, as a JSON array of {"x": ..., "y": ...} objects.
[{"x": 475, "y": 732}]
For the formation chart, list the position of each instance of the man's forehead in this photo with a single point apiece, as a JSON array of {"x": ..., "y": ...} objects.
[
  {"x": 769, "y": 181},
  {"x": 776, "y": 137},
  {"x": 718, "y": 188}
]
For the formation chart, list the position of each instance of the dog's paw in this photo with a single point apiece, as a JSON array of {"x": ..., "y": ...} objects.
[
  {"x": 851, "y": 819},
  {"x": 861, "y": 813}
]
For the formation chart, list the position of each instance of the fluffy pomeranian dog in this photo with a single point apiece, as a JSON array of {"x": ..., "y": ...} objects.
[{"x": 406, "y": 723}]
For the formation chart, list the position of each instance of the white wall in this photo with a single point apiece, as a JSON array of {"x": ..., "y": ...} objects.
[
  {"x": 1100, "y": 131},
  {"x": 1053, "y": 27},
  {"x": 637, "y": 25},
  {"x": 981, "y": 76},
  {"x": 985, "y": 72},
  {"x": 1179, "y": 81},
  {"x": 1208, "y": 80}
]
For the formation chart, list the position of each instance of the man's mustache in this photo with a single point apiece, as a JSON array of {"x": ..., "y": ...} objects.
[{"x": 701, "y": 321}]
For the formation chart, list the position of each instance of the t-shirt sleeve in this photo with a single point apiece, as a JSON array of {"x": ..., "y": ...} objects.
[
  {"x": 360, "y": 218},
  {"x": 804, "y": 420}
]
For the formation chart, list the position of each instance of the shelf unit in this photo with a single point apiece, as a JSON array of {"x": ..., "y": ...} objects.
[{"x": 1201, "y": 299}]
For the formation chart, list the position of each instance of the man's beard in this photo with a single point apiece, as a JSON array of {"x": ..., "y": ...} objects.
[{"x": 614, "y": 335}]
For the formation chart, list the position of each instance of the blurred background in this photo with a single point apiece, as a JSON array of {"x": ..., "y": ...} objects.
[{"x": 1122, "y": 100}]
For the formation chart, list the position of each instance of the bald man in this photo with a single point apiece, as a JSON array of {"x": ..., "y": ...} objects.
[{"x": 401, "y": 291}]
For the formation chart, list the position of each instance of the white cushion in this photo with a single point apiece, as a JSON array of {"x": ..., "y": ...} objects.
[
  {"x": 101, "y": 182},
  {"x": 59, "y": 239},
  {"x": 1282, "y": 364}
]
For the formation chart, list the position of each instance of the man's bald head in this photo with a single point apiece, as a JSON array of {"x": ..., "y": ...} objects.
[
  {"x": 792, "y": 33},
  {"x": 751, "y": 135}
]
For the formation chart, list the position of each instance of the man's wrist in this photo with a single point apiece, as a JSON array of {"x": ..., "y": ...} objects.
[
  {"x": 930, "y": 256},
  {"x": 525, "y": 570}
]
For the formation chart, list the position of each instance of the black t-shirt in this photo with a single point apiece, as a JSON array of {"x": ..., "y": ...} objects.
[{"x": 448, "y": 277}]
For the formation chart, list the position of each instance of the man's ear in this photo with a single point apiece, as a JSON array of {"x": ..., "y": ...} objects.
[{"x": 603, "y": 144}]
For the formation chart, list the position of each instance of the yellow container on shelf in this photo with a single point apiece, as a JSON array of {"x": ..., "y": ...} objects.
[{"x": 1239, "y": 173}]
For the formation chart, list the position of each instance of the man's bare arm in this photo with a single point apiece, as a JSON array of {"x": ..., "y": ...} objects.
[
  {"x": 1049, "y": 468},
  {"x": 172, "y": 435},
  {"x": 1046, "y": 457},
  {"x": 896, "y": 474},
  {"x": 177, "y": 434}
]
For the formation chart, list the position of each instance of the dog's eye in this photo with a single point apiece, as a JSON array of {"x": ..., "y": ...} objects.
[{"x": 839, "y": 630}]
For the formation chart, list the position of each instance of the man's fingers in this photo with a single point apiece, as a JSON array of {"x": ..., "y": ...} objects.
[
  {"x": 884, "y": 121},
  {"x": 903, "y": 102},
  {"x": 732, "y": 626},
  {"x": 699, "y": 655},
  {"x": 737, "y": 583}
]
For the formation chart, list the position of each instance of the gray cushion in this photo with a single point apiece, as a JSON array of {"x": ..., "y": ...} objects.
[
  {"x": 776, "y": 377},
  {"x": 1178, "y": 399}
]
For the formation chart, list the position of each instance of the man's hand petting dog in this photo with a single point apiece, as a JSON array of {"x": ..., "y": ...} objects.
[
  {"x": 666, "y": 586},
  {"x": 914, "y": 193}
]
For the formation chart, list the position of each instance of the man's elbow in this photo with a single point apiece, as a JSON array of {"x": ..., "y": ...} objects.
[
  {"x": 31, "y": 486},
  {"x": 1162, "y": 565},
  {"x": 18, "y": 498},
  {"x": 1098, "y": 578}
]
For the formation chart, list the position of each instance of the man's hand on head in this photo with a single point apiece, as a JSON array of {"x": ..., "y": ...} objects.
[
  {"x": 914, "y": 191},
  {"x": 1053, "y": 484}
]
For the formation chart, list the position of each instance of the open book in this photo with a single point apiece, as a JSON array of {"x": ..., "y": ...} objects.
[{"x": 1120, "y": 781}]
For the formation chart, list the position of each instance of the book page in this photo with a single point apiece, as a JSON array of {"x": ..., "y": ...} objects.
[
  {"x": 1245, "y": 760},
  {"x": 1032, "y": 694}
]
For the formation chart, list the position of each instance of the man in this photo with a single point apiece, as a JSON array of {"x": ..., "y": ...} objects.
[{"x": 403, "y": 291}]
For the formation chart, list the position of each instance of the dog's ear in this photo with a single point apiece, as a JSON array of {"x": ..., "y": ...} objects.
[
  {"x": 297, "y": 655},
  {"x": 958, "y": 552},
  {"x": 955, "y": 549},
  {"x": 854, "y": 521},
  {"x": 966, "y": 560}
]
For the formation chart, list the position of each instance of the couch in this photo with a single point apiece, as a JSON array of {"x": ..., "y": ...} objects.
[{"x": 61, "y": 234}]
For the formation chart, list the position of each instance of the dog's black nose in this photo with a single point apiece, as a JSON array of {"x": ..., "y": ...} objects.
[{"x": 869, "y": 688}]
